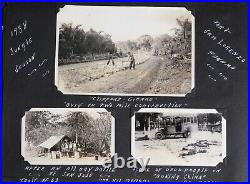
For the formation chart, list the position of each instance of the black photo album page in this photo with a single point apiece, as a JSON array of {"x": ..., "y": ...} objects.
[{"x": 125, "y": 92}]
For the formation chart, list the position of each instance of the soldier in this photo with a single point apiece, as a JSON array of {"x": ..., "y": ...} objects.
[
  {"x": 110, "y": 57},
  {"x": 132, "y": 60}
]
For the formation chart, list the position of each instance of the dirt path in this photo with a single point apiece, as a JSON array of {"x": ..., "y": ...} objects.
[
  {"x": 125, "y": 81},
  {"x": 167, "y": 151},
  {"x": 153, "y": 75}
]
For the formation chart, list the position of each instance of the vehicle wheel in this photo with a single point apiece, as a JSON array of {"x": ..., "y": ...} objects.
[{"x": 159, "y": 135}]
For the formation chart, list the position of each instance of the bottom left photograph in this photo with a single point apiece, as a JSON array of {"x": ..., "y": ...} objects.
[{"x": 65, "y": 136}]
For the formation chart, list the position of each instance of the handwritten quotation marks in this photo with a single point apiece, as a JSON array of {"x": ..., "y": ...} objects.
[{"x": 56, "y": 173}]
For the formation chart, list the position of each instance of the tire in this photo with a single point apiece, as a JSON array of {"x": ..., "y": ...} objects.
[
  {"x": 159, "y": 136},
  {"x": 186, "y": 134}
]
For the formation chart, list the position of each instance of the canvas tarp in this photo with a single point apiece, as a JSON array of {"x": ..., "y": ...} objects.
[{"x": 52, "y": 141}]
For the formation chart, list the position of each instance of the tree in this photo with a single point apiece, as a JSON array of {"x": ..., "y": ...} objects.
[
  {"x": 92, "y": 42},
  {"x": 66, "y": 40},
  {"x": 38, "y": 126},
  {"x": 102, "y": 133},
  {"x": 145, "y": 42},
  {"x": 131, "y": 45},
  {"x": 161, "y": 43},
  {"x": 79, "y": 46},
  {"x": 78, "y": 126},
  {"x": 73, "y": 40},
  {"x": 185, "y": 25}
]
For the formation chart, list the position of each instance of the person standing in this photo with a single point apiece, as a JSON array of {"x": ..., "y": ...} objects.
[
  {"x": 74, "y": 147},
  {"x": 131, "y": 59},
  {"x": 110, "y": 57},
  {"x": 70, "y": 146}
]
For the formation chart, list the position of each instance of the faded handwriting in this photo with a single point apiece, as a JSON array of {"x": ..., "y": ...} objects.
[
  {"x": 209, "y": 65},
  {"x": 21, "y": 47},
  {"x": 33, "y": 71},
  {"x": 212, "y": 78},
  {"x": 19, "y": 29},
  {"x": 38, "y": 68},
  {"x": 225, "y": 46},
  {"x": 221, "y": 60},
  {"x": 126, "y": 104},
  {"x": 73, "y": 105},
  {"x": 50, "y": 174},
  {"x": 231, "y": 51},
  {"x": 45, "y": 60},
  {"x": 223, "y": 76},
  {"x": 219, "y": 25},
  {"x": 26, "y": 63},
  {"x": 46, "y": 73}
]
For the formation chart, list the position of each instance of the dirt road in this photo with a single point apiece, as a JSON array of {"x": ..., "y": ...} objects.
[
  {"x": 146, "y": 78},
  {"x": 167, "y": 151}
]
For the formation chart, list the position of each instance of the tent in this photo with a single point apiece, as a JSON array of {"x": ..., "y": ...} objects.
[{"x": 54, "y": 142}]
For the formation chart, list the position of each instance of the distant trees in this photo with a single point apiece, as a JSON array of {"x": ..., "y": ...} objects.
[
  {"x": 73, "y": 40},
  {"x": 161, "y": 44},
  {"x": 126, "y": 46},
  {"x": 145, "y": 42}
]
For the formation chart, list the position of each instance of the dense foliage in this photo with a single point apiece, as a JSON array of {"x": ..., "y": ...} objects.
[
  {"x": 79, "y": 126},
  {"x": 74, "y": 41}
]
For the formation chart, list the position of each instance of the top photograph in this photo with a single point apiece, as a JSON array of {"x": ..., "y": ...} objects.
[{"x": 125, "y": 50}]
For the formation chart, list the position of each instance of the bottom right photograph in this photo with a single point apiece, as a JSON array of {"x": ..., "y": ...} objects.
[{"x": 179, "y": 137}]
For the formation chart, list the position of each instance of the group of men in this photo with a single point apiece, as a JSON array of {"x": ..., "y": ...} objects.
[
  {"x": 69, "y": 146},
  {"x": 131, "y": 60}
]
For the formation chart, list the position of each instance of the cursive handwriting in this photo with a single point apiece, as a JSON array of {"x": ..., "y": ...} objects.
[
  {"x": 26, "y": 63},
  {"x": 21, "y": 47},
  {"x": 19, "y": 29}
]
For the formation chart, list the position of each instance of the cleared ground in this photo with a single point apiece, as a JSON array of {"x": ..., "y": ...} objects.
[
  {"x": 153, "y": 75},
  {"x": 168, "y": 151}
]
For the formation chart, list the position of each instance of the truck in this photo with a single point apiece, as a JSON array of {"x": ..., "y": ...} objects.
[{"x": 174, "y": 127}]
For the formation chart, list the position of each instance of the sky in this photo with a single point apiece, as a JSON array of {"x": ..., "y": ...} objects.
[{"x": 124, "y": 23}]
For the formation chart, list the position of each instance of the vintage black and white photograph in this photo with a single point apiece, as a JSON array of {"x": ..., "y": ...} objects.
[
  {"x": 180, "y": 137},
  {"x": 123, "y": 50},
  {"x": 62, "y": 136}
]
